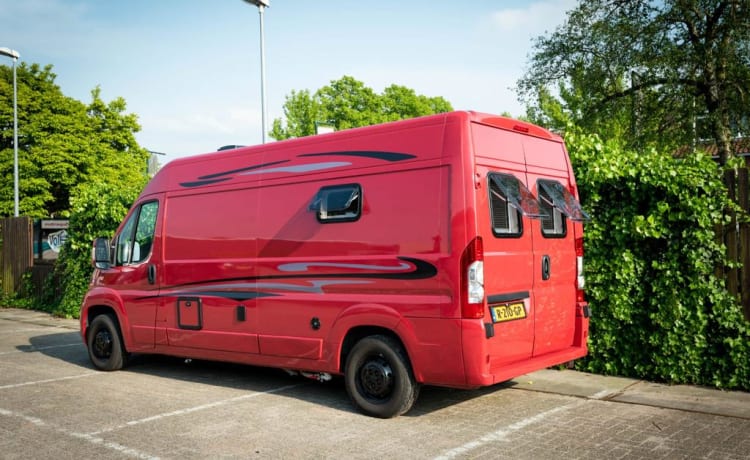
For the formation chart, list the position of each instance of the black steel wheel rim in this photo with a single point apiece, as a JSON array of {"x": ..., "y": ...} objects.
[
  {"x": 102, "y": 344},
  {"x": 376, "y": 380}
]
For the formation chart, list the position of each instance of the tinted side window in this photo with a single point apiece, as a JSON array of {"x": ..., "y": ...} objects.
[
  {"x": 125, "y": 241},
  {"x": 338, "y": 203},
  {"x": 144, "y": 232},
  {"x": 137, "y": 235}
]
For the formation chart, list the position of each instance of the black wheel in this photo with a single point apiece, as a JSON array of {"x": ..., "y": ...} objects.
[
  {"x": 104, "y": 342},
  {"x": 378, "y": 377}
]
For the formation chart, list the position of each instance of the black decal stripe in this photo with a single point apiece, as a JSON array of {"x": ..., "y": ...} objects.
[
  {"x": 234, "y": 295},
  {"x": 203, "y": 182},
  {"x": 220, "y": 176},
  {"x": 423, "y": 270},
  {"x": 386, "y": 156},
  {"x": 246, "y": 168},
  {"x": 501, "y": 298},
  {"x": 223, "y": 176}
]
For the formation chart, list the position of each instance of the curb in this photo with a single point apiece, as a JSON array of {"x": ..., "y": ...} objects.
[{"x": 689, "y": 398}]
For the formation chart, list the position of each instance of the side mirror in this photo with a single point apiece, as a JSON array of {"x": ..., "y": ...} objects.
[{"x": 100, "y": 253}]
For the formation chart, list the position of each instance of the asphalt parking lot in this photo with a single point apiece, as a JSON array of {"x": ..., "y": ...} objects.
[{"x": 53, "y": 404}]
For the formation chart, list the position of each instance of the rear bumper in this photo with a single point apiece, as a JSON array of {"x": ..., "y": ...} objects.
[
  {"x": 492, "y": 375},
  {"x": 482, "y": 370}
]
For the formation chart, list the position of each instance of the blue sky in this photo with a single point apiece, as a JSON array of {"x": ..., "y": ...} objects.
[{"x": 190, "y": 69}]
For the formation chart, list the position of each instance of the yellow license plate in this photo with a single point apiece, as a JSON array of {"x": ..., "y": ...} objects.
[{"x": 508, "y": 312}]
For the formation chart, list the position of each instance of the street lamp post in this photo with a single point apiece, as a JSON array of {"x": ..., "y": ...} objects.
[
  {"x": 262, "y": 5},
  {"x": 14, "y": 55}
]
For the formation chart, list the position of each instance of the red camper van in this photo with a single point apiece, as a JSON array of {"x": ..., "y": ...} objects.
[{"x": 443, "y": 250}]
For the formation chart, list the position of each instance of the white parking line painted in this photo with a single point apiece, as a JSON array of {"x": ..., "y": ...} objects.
[
  {"x": 88, "y": 438},
  {"x": 503, "y": 433},
  {"x": 32, "y": 420},
  {"x": 189, "y": 410},
  {"x": 31, "y": 329},
  {"x": 39, "y": 382},
  {"x": 49, "y": 347}
]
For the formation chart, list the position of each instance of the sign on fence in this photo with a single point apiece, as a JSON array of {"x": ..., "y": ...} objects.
[{"x": 49, "y": 236}]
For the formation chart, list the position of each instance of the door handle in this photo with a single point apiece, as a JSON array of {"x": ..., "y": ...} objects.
[
  {"x": 151, "y": 274},
  {"x": 545, "y": 267}
]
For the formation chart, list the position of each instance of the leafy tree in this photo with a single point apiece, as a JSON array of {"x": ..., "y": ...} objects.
[
  {"x": 662, "y": 64},
  {"x": 62, "y": 142},
  {"x": 348, "y": 103},
  {"x": 96, "y": 210},
  {"x": 658, "y": 312},
  {"x": 75, "y": 159}
]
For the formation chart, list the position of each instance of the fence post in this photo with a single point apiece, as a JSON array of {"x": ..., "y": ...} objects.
[
  {"x": 743, "y": 197},
  {"x": 17, "y": 252},
  {"x": 730, "y": 235}
]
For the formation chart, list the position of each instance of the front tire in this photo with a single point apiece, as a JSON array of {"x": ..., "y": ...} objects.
[
  {"x": 104, "y": 343},
  {"x": 378, "y": 377}
]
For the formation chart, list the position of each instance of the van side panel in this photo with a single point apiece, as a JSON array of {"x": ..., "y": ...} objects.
[
  {"x": 314, "y": 271},
  {"x": 210, "y": 248}
]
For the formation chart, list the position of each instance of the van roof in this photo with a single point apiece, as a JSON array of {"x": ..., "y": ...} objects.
[{"x": 170, "y": 175}]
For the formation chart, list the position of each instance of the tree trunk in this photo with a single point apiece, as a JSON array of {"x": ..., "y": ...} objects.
[{"x": 718, "y": 114}]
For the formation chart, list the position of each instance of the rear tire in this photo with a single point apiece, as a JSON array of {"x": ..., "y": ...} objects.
[
  {"x": 378, "y": 377},
  {"x": 104, "y": 343}
]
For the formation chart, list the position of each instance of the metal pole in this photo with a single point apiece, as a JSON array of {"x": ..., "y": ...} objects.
[
  {"x": 264, "y": 113},
  {"x": 15, "y": 140},
  {"x": 14, "y": 55}
]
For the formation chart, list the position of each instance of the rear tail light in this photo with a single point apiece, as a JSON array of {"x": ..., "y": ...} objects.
[
  {"x": 580, "y": 279},
  {"x": 472, "y": 286}
]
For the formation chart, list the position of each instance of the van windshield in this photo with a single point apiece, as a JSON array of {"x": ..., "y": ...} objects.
[{"x": 518, "y": 195}]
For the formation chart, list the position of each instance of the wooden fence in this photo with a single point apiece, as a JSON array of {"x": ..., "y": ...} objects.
[
  {"x": 16, "y": 253},
  {"x": 736, "y": 237}
]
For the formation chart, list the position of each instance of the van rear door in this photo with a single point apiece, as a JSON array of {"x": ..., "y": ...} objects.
[
  {"x": 553, "y": 239},
  {"x": 504, "y": 206}
]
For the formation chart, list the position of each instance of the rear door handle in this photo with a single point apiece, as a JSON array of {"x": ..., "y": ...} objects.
[
  {"x": 545, "y": 267},
  {"x": 152, "y": 274}
]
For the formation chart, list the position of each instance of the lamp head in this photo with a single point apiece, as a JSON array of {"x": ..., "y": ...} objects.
[
  {"x": 13, "y": 53},
  {"x": 259, "y": 3}
]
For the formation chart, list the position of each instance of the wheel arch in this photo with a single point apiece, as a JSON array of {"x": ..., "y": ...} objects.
[
  {"x": 358, "y": 333},
  {"x": 363, "y": 320},
  {"x": 106, "y": 304}
]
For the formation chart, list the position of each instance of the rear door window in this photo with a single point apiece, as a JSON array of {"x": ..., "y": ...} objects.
[
  {"x": 560, "y": 205},
  {"x": 509, "y": 200}
]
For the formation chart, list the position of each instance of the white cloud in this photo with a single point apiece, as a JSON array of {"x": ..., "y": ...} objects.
[
  {"x": 533, "y": 19},
  {"x": 226, "y": 121},
  {"x": 188, "y": 133}
]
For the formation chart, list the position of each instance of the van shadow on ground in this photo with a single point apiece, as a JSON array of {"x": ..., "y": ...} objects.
[{"x": 68, "y": 347}]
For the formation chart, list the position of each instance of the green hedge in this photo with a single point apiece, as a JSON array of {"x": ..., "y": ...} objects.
[
  {"x": 96, "y": 210},
  {"x": 658, "y": 311}
]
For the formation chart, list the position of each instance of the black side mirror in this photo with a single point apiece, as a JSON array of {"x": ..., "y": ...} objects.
[{"x": 100, "y": 253}]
